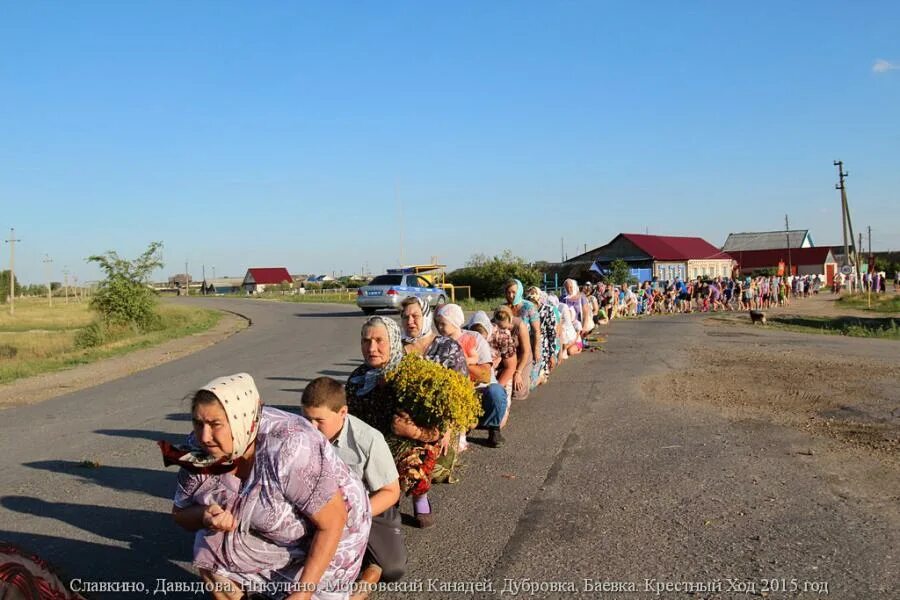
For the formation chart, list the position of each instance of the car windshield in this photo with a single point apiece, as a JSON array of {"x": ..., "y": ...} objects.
[{"x": 387, "y": 280}]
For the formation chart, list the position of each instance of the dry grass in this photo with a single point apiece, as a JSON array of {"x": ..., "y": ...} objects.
[
  {"x": 34, "y": 314},
  {"x": 39, "y": 339}
]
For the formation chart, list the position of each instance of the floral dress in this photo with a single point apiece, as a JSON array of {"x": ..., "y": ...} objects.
[
  {"x": 295, "y": 473},
  {"x": 548, "y": 321}
]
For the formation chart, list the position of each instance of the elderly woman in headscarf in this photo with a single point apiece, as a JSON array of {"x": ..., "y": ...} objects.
[
  {"x": 528, "y": 328},
  {"x": 449, "y": 321},
  {"x": 420, "y": 337},
  {"x": 275, "y": 509},
  {"x": 548, "y": 321},
  {"x": 369, "y": 399}
]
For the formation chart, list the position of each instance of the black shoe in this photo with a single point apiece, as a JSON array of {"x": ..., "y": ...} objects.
[{"x": 495, "y": 438}]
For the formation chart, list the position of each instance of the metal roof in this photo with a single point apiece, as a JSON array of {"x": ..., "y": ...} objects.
[{"x": 766, "y": 240}]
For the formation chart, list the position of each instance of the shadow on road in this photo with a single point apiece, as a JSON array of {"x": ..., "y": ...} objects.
[
  {"x": 147, "y": 481},
  {"x": 185, "y": 416},
  {"x": 153, "y": 541},
  {"x": 314, "y": 315},
  {"x": 173, "y": 438},
  {"x": 336, "y": 374},
  {"x": 98, "y": 562}
]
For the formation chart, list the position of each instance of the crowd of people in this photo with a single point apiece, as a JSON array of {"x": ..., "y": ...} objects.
[
  {"x": 308, "y": 505},
  {"x": 712, "y": 295}
]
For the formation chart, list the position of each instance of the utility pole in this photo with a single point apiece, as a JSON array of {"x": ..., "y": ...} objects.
[
  {"x": 562, "y": 249},
  {"x": 66, "y": 281},
  {"x": 843, "y": 187},
  {"x": 47, "y": 270},
  {"x": 869, "y": 270},
  {"x": 858, "y": 263},
  {"x": 787, "y": 235},
  {"x": 12, "y": 270},
  {"x": 871, "y": 262},
  {"x": 187, "y": 284},
  {"x": 203, "y": 291}
]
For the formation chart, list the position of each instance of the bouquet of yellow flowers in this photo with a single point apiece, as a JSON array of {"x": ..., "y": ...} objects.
[{"x": 434, "y": 396}]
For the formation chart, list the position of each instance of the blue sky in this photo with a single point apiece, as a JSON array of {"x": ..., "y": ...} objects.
[{"x": 268, "y": 134}]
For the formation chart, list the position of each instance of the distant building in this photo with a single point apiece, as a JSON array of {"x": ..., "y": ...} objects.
[
  {"x": 257, "y": 279},
  {"x": 768, "y": 240},
  {"x": 662, "y": 257},
  {"x": 798, "y": 261},
  {"x": 225, "y": 285},
  {"x": 177, "y": 281}
]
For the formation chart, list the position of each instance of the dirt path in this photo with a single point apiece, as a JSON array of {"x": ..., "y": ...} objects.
[{"x": 49, "y": 385}]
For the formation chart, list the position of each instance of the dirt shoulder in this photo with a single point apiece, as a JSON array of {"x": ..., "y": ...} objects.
[
  {"x": 49, "y": 385},
  {"x": 844, "y": 390}
]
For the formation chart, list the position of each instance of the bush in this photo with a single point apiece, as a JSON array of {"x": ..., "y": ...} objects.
[
  {"x": 91, "y": 336},
  {"x": 486, "y": 276},
  {"x": 124, "y": 298}
]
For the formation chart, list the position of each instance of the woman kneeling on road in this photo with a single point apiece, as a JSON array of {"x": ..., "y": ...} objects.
[{"x": 275, "y": 510}]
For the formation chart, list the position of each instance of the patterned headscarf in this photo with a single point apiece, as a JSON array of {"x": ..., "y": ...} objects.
[
  {"x": 533, "y": 294},
  {"x": 453, "y": 313},
  {"x": 369, "y": 378},
  {"x": 240, "y": 400},
  {"x": 427, "y": 322}
]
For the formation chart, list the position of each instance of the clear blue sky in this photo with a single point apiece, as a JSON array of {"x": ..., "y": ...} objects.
[{"x": 267, "y": 134}]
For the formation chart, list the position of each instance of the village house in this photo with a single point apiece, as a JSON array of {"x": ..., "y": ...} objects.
[
  {"x": 795, "y": 261},
  {"x": 257, "y": 279},
  {"x": 663, "y": 257}
]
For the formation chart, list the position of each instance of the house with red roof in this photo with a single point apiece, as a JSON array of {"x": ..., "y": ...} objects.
[
  {"x": 664, "y": 257},
  {"x": 257, "y": 278},
  {"x": 818, "y": 260}
]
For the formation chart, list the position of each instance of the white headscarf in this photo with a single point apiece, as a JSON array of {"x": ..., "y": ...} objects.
[
  {"x": 481, "y": 318},
  {"x": 453, "y": 313}
]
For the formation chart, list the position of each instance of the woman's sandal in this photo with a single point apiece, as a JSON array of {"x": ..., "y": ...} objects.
[{"x": 425, "y": 520}]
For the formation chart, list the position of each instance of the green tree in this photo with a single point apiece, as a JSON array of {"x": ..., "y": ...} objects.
[
  {"x": 4, "y": 285},
  {"x": 619, "y": 273},
  {"x": 486, "y": 276},
  {"x": 124, "y": 297}
]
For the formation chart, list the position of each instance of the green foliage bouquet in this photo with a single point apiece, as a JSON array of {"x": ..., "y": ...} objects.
[{"x": 434, "y": 396}]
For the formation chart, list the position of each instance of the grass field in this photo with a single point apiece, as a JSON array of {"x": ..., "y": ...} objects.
[
  {"x": 40, "y": 339},
  {"x": 885, "y": 328},
  {"x": 884, "y": 303}
]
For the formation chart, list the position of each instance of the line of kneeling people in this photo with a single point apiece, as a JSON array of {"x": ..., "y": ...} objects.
[{"x": 290, "y": 507}]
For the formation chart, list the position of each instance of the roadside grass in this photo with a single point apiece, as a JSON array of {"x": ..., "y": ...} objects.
[
  {"x": 884, "y": 303},
  {"x": 40, "y": 339},
  {"x": 884, "y": 328},
  {"x": 324, "y": 298}
]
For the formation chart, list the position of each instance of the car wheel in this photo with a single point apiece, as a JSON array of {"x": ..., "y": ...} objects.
[{"x": 368, "y": 311}]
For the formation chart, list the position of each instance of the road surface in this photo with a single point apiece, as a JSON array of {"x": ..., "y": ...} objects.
[{"x": 598, "y": 488}]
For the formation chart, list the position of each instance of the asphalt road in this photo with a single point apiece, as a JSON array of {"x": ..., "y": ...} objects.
[{"x": 596, "y": 483}]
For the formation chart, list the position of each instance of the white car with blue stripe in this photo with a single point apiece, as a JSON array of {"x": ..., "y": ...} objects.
[{"x": 392, "y": 288}]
